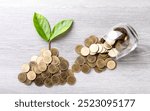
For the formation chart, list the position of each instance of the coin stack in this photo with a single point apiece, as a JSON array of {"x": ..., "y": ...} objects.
[
  {"x": 47, "y": 69},
  {"x": 99, "y": 53}
]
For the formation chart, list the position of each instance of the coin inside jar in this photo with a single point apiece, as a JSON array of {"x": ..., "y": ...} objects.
[
  {"x": 31, "y": 75},
  {"x": 78, "y": 49},
  {"x": 54, "y": 51},
  {"x": 76, "y": 68},
  {"x": 22, "y": 77},
  {"x": 85, "y": 68},
  {"x": 71, "y": 80}
]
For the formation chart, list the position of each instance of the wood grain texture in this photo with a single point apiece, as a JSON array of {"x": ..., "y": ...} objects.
[{"x": 19, "y": 41}]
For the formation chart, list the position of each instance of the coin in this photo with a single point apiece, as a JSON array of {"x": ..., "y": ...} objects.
[
  {"x": 39, "y": 81},
  {"x": 92, "y": 53},
  {"x": 113, "y": 52},
  {"x": 61, "y": 58},
  {"x": 110, "y": 42},
  {"x": 108, "y": 59},
  {"x": 47, "y": 53},
  {"x": 91, "y": 64},
  {"x": 91, "y": 58},
  {"x": 42, "y": 50},
  {"x": 76, "y": 68},
  {"x": 32, "y": 64},
  {"x": 80, "y": 60},
  {"x": 98, "y": 70},
  {"x": 39, "y": 59},
  {"x": 47, "y": 59},
  {"x": 78, "y": 49},
  {"x": 93, "y": 48},
  {"x": 31, "y": 75},
  {"x": 85, "y": 68},
  {"x": 54, "y": 51},
  {"x": 36, "y": 69},
  {"x": 25, "y": 68},
  {"x": 55, "y": 60},
  {"x": 71, "y": 80},
  {"x": 55, "y": 79},
  {"x": 88, "y": 42},
  {"x": 85, "y": 51},
  {"x": 107, "y": 46},
  {"x": 42, "y": 66},
  {"x": 28, "y": 82},
  {"x": 64, "y": 65},
  {"x": 48, "y": 82},
  {"x": 64, "y": 75},
  {"x": 34, "y": 58},
  {"x": 22, "y": 77},
  {"x": 53, "y": 69},
  {"x": 62, "y": 81},
  {"x": 94, "y": 38},
  {"x": 100, "y": 48},
  {"x": 100, "y": 63},
  {"x": 111, "y": 64}
]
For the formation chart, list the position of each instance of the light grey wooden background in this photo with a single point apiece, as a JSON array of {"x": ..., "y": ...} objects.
[{"x": 19, "y": 41}]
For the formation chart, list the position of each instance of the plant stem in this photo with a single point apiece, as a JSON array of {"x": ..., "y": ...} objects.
[{"x": 49, "y": 45}]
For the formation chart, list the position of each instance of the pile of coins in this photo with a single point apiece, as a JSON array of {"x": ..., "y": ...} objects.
[
  {"x": 47, "y": 69},
  {"x": 99, "y": 53}
]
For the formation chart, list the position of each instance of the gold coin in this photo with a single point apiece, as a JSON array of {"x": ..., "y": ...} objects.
[
  {"x": 104, "y": 50},
  {"x": 71, "y": 80},
  {"x": 94, "y": 38},
  {"x": 46, "y": 74},
  {"x": 64, "y": 65},
  {"x": 28, "y": 82},
  {"x": 100, "y": 63},
  {"x": 55, "y": 60},
  {"x": 34, "y": 58},
  {"x": 54, "y": 51},
  {"x": 48, "y": 83},
  {"x": 85, "y": 68},
  {"x": 80, "y": 60},
  {"x": 36, "y": 69},
  {"x": 107, "y": 46},
  {"x": 32, "y": 64},
  {"x": 76, "y": 68},
  {"x": 98, "y": 70},
  {"x": 91, "y": 58},
  {"x": 42, "y": 50},
  {"x": 91, "y": 64},
  {"x": 22, "y": 77},
  {"x": 111, "y": 64},
  {"x": 55, "y": 79},
  {"x": 42, "y": 66},
  {"x": 70, "y": 72},
  {"x": 39, "y": 81},
  {"x": 31, "y": 75},
  {"x": 61, "y": 58},
  {"x": 62, "y": 81},
  {"x": 25, "y": 68},
  {"x": 47, "y": 53},
  {"x": 93, "y": 48},
  {"x": 100, "y": 48},
  {"x": 85, "y": 51},
  {"x": 64, "y": 75},
  {"x": 119, "y": 46},
  {"x": 88, "y": 42},
  {"x": 39, "y": 59},
  {"x": 92, "y": 53},
  {"x": 113, "y": 52},
  {"x": 47, "y": 59},
  {"x": 53, "y": 69},
  {"x": 78, "y": 49},
  {"x": 107, "y": 59}
]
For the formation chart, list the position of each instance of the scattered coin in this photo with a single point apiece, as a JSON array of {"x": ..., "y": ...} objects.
[
  {"x": 28, "y": 82},
  {"x": 78, "y": 49},
  {"x": 55, "y": 79},
  {"x": 91, "y": 58},
  {"x": 76, "y": 68},
  {"x": 85, "y": 68},
  {"x": 64, "y": 65},
  {"x": 88, "y": 42},
  {"x": 113, "y": 52},
  {"x": 39, "y": 81},
  {"x": 111, "y": 64},
  {"x": 47, "y": 59},
  {"x": 42, "y": 66},
  {"x": 80, "y": 60},
  {"x": 54, "y": 51},
  {"x": 100, "y": 63},
  {"x": 48, "y": 82},
  {"x": 93, "y": 48},
  {"x": 55, "y": 60},
  {"x": 53, "y": 68},
  {"x": 71, "y": 80},
  {"x": 85, "y": 51}
]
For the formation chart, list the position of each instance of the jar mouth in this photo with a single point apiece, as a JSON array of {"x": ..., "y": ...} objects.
[{"x": 128, "y": 31}]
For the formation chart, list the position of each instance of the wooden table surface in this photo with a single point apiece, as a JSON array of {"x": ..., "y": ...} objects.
[{"x": 19, "y": 41}]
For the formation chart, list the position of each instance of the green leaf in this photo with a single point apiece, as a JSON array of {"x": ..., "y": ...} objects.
[
  {"x": 42, "y": 26},
  {"x": 60, "y": 28}
]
